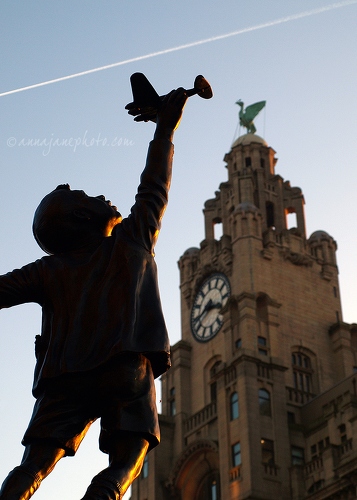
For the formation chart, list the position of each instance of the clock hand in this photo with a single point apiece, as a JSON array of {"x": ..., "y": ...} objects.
[
  {"x": 211, "y": 306},
  {"x": 208, "y": 307}
]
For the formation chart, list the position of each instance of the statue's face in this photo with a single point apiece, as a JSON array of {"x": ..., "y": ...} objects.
[
  {"x": 97, "y": 209},
  {"x": 66, "y": 220}
]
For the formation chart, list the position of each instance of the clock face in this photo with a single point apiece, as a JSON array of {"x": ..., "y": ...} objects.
[{"x": 206, "y": 317}]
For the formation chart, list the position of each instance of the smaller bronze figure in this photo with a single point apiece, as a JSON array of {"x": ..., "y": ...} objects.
[
  {"x": 247, "y": 116},
  {"x": 103, "y": 338}
]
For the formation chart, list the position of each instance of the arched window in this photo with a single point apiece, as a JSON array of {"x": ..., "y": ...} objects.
[
  {"x": 291, "y": 218},
  {"x": 218, "y": 230},
  {"x": 234, "y": 406},
  {"x": 214, "y": 369},
  {"x": 264, "y": 402},
  {"x": 209, "y": 489},
  {"x": 302, "y": 372}
]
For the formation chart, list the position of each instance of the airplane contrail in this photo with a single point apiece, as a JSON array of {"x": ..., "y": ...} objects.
[{"x": 268, "y": 24}]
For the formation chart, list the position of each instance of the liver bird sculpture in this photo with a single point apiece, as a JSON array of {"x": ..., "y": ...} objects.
[{"x": 247, "y": 116}]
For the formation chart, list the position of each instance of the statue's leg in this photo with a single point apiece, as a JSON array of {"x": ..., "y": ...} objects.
[
  {"x": 38, "y": 461},
  {"x": 126, "y": 458}
]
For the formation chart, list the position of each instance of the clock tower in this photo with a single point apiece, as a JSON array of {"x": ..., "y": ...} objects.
[{"x": 264, "y": 352}]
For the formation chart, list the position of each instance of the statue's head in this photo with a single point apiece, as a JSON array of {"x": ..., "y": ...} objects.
[{"x": 66, "y": 220}]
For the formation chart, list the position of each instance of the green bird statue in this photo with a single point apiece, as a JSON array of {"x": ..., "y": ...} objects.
[{"x": 247, "y": 116}]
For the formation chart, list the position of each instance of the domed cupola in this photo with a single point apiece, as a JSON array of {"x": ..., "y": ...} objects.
[{"x": 323, "y": 249}]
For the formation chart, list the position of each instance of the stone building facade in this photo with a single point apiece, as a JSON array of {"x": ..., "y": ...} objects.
[{"x": 261, "y": 399}]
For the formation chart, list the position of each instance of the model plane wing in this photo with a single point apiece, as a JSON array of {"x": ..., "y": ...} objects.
[{"x": 146, "y": 100}]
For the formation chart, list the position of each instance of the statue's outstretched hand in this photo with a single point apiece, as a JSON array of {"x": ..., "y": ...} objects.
[
  {"x": 170, "y": 113},
  {"x": 148, "y": 113}
]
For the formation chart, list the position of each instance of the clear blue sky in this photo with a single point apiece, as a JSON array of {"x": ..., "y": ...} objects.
[{"x": 306, "y": 70}]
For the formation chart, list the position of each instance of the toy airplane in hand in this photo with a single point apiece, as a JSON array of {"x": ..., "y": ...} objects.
[{"x": 146, "y": 101}]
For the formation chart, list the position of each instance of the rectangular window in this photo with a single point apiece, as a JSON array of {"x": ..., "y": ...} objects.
[
  {"x": 234, "y": 406},
  {"x": 291, "y": 418},
  {"x": 145, "y": 470},
  {"x": 262, "y": 343},
  {"x": 342, "y": 429},
  {"x": 295, "y": 380},
  {"x": 270, "y": 214},
  {"x": 267, "y": 446},
  {"x": 307, "y": 383},
  {"x": 214, "y": 491},
  {"x": 236, "y": 457},
  {"x": 172, "y": 408},
  {"x": 172, "y": 402},
  {"x": 297, "y": 455},
  {"x": 213, "y": 392}
]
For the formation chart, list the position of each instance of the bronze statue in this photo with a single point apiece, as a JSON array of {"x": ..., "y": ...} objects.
[
  {"x": 103, "y": 338},
  {"x": 247, "y": 116}
]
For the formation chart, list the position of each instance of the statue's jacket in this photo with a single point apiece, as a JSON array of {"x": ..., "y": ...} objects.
[{"x": 98, "y": 303}]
